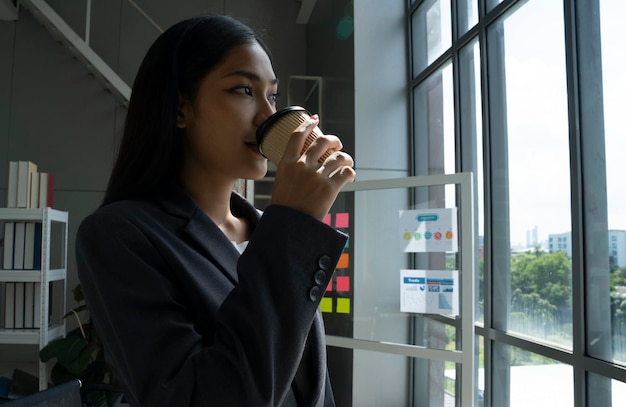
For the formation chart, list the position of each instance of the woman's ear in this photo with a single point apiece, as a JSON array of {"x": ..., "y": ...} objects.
[{"x": 183, "y": 114}]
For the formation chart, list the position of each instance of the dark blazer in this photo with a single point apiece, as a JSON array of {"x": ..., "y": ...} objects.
[{"x": 187, "y": 321}]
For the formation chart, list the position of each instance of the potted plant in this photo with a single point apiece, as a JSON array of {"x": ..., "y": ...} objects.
[{"x": 80, "y": 355}]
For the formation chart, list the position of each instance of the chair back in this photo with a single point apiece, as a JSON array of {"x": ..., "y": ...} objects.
[{"x": 62, "y": 395}]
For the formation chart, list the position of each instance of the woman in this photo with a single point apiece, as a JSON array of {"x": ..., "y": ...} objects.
[{"x": 188, "y": 315}]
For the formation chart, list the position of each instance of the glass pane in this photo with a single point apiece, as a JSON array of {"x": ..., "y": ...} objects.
[
  {"x": 433, "y": 115},
  {"x": 378, "y": 379},
  {"x": 539, "y": 176},
  {"x": 604, "y": 391},
  {"x": 536, "y": 380},
  {"x": 431, "y": 32},
  {"x": 618, "y": 390},
  {"x": 433, "y": 122},
  {"x": 367, "y": 299},
  {"x": 468, "y": 15},
  {"x": 614, "y": 82},
  {"x": 492, "y": 3}
]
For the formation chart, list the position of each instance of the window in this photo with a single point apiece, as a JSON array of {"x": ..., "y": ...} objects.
[
  {"x": 614, "y": 88},
  {"x": 536, "y": 160},
  {"x": 528, "y": 95}
]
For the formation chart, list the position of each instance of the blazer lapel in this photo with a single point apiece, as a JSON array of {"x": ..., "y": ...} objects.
[
  {"x": 204, "y": 232},
  {"x": 214, "y": 243}
]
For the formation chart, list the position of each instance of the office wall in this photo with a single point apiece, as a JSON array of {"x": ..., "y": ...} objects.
[
  {"x": 330, "y": 51},
  {"x": 381, "y": 148}
]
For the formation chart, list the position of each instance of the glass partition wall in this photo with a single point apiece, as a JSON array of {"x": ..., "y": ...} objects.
[{"x": 528, "y": 95}]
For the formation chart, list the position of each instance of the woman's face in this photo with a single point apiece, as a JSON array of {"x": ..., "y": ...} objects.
[{"x": 220, "y": 125}]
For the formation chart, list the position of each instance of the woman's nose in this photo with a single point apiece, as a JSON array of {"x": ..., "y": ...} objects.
[{"x": 266, "y": 109}]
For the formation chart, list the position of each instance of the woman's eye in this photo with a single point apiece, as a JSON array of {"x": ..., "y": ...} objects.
[
  {"x": 246, "y": 90},
  {"x": 274, "y": 97}
]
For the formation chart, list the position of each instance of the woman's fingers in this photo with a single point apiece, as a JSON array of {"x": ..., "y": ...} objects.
[
  {"x": 297, "y": 141},
  {"x": 335, "y": 163},
  {"x": 311, "y": 174}
]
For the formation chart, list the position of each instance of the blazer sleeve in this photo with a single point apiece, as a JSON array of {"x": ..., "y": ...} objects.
[{"x": 150, "y": 335}]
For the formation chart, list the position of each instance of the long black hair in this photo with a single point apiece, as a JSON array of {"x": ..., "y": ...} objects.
[{"x": 150, "y": 154}]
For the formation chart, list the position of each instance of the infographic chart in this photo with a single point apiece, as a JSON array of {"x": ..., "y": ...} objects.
[
  {"x": 429, "y": 230},
  {"x": 429, "y": 291}
]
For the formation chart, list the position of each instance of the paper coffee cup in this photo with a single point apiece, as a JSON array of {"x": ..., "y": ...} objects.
[{"x": 273, "y": 134}]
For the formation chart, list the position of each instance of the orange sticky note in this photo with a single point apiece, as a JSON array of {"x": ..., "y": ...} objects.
[{"x": 344, "y": 261}]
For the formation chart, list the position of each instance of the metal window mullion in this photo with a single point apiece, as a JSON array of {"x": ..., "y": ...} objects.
[
  {"x": 578, "y": 306},
  {"x": 497, "y": 194},
  {"x": 590, "y": 262},
  {"x": 487, "y": 304},
  {"x": 465, "y": 116}
]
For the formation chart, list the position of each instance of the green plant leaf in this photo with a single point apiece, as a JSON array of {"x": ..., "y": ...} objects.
[
  {"x": 61, "y": 346},
  {"x": 59, "y": 374},
  {"x": 81, "y": 308},
  {"x": 78, "y": 363},
  {"x": 72, "y": 352},
  {"x": 79, "y": 296}
]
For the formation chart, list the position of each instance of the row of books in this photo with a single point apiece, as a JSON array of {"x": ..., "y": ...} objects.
[
  {"x": 21, "y": 243},
  {"x": 22, "y": 306},
  {"x": 27, "y": 188}
]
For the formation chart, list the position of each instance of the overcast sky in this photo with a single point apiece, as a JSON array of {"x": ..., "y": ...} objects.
[{"x": 537, "y": 117}]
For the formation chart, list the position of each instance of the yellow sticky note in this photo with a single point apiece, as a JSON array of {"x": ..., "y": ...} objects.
[
  {"x": 343, "y": 305},
  {"x": 326, "y": 305}
]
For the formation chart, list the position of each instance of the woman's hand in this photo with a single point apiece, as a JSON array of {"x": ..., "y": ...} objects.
[{"x": 303, "y": 182}]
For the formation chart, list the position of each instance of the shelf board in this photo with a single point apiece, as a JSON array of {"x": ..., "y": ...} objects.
[
  {"x": 31, "y": 275},
  {"x": 29, "y": 336},
  {"x": 34, "y": 214}
]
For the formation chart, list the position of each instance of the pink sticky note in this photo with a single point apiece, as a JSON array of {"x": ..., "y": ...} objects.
[
  {"x": 330, "y": 286},
  {"x": 343, "y": 283},
  {"x": 342, "y": 220},
  {"x": 327, "y": 219}
]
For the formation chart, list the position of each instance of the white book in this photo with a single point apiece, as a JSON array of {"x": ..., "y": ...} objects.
[
  {"x": 2, "y": 300},
  {"x": 12, "y": 185},
  {"x": 29, "y": 304},
  {"x": 19, "y": 305},
  {"x": 18, "y": 248},
  {"x": 32, "y": 246},
  {"x": 25, "y": 170},
  {"x": 46, "y": 186},
  {"x": 9, "y": 305},
  {"x": 37, "y": 309},
  {"x": 34, "y": 190},
  {"x": 9, "y": 237}
]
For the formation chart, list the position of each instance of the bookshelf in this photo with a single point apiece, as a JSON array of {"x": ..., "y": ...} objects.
[{"x": 50, "y": 328}]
